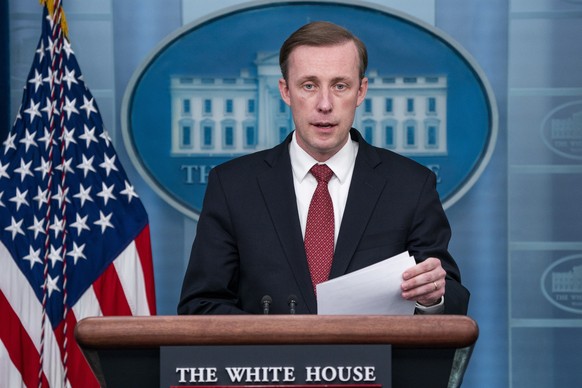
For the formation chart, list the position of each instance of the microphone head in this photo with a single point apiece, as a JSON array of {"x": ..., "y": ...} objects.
[
  {"x": 266, "y": 300},
  {"x": 292, "y": 299}
]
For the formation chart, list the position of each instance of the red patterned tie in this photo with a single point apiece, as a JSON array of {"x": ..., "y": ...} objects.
[{"x": 319, "y": 231}]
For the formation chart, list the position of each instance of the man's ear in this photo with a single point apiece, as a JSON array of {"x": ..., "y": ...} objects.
[
  {"x": 284, "y": 90},
  {"x": 362, "y": 90}
]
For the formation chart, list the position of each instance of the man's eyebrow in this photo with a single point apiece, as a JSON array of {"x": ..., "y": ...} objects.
[
  {"x": 340, "y": 79},
  {"x": 307, "y": 78},
  {"x": 314, "y": 78}
]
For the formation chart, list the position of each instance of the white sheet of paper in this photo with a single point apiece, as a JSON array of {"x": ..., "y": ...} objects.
[{"x": 374, "y": 290}]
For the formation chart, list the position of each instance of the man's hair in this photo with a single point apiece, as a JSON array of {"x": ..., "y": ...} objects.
[{"x": 321, "y": 34}]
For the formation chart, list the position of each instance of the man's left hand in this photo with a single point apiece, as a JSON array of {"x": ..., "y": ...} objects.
[{"x": 425, "y": 282}]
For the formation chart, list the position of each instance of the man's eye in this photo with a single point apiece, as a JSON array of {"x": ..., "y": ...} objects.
[
  {"x": 340, "y": 86},
  {"x": 308, "y": 86}
]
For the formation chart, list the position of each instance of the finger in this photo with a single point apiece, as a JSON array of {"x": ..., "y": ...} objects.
[
  {"x": 425, "y": 278},
  {"x": 427, "y": 291},
  {"x": 427, "y": 265}
]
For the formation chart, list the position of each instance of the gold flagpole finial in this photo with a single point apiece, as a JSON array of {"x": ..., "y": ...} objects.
[{"x": 50, "y": 4}]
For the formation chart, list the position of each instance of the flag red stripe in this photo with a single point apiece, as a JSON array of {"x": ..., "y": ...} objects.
[
  {"x": 19, "y": 345},
  {"x": 78, "y": 371},
  {"x": 144, "y": 250},
  {"x": 110, "y": 293}
]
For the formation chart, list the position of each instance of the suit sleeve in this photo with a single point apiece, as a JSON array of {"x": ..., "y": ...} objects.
[
  {"x": 211, "y": 280},
  {"x": 429, "y": 237}
]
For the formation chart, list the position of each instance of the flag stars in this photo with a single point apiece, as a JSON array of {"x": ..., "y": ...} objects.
[
  {"x": 88, "y": 106},
  {"x": 51, "y": 78},
  {"x": 66, "y": 166},
  {"x": 86, "y": 165},
  {"x": 70, "y": 107},
  {"x": 83, "y": 194},
  {"x": 62, "y": 196},
  {"x": 41, "y": 197},
  {"x": 14, "y": 228},
  {"x": 69, "y": 137},
  {"x": 77, "y": 252},
  {"x": 67, "y": 48},
  {"x": 9, "y": 143},
  {"x": 3, "y": 168},
  {"x": 106, "y": 192},
  {"x": 55, "y": 255},
  {"x": 24, "y": 170},
  {"x": 37, "y": 227},
  {"x": 88, "y": 135},
  {"x": 47, "y": 139},
  {"x": 50, "y": 20},
  {"x": 109, "y": 164},
  {"x": 33, "y": 257},
  {"x": 57, "y": 226},
  {"x": 51, "y": 285},
  {"x": 28, "y": 140},
  {"x": 105, "y": 136},
  {"x": 80, "y": 224},
  {"x": 129, "y": 192},
  {"x": 44, "y": 168},
  {"x": 40, "y": 51},
  {"x": 69, "y": 77},
  {"x": 33, "y": 110},
  {"x": 19, "y": 198},
  {"x": 36, "y": 80},
  {"x": 104, "y": 221},
  {"x": 50, "y": 108},
  {"x": 51, "y": 46}
]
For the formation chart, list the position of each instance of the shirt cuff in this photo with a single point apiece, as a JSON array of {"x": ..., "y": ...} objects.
[{"x": 438, "y": 308}]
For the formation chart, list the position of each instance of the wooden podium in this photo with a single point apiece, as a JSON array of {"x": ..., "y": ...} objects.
[{"x": 124, "y": 351}]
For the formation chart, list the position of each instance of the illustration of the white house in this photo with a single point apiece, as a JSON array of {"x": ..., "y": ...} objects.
[
  {"x": 568, "y": 281},
  {"x": 568, "y": 129},
  {"x": 213, "y": 116}
]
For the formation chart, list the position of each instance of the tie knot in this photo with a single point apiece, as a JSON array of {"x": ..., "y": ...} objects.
[{"x": 321, "y": 172}]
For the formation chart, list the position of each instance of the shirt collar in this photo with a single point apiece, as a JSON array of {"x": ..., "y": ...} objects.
[{"x": 341, "y": 163}]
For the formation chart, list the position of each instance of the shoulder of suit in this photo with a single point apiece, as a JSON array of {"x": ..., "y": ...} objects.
[
  {"x": 384, "y": 158},
  {"x": 392, "y": 160}
]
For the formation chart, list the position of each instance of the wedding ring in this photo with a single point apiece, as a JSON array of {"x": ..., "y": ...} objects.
[{"x": 435, "y": 286}]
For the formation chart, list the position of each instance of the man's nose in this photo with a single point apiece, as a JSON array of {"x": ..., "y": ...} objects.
[{"x": 324, "y": 102}]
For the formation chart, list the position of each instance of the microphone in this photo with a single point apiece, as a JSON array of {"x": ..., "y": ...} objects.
[
  {"x": 292, "y": 303},
  {"x": 266, "y": 303}
]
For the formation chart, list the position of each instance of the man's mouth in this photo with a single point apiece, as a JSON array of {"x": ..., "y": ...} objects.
[{"x": 324, "y": 125}]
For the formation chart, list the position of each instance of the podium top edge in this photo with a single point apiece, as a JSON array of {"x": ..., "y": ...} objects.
[{"x": 432, "y": 331}]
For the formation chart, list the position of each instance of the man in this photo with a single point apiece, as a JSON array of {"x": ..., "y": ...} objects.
[{"x": 254, "y": 220}]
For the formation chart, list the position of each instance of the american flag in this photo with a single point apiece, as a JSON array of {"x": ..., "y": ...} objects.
[{"x": 74, "y": 236}]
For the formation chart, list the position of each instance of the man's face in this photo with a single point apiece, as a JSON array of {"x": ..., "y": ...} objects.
[{"x": 323, "y": 89}]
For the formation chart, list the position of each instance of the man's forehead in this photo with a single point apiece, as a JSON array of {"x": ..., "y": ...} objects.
[
  {"x": 328, "y": 47},
  {"x": 318, "y": 58}
]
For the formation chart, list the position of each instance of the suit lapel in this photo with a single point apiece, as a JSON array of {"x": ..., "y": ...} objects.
[
  {"x": 364, "y": 193},
  {"x": 279, "y": 194}
]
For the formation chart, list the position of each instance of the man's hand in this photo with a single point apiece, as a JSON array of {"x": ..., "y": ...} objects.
[{"x": 425, "y": 282}]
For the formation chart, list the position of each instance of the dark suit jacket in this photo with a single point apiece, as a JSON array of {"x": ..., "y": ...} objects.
[{"x": 249, "y": 244}]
